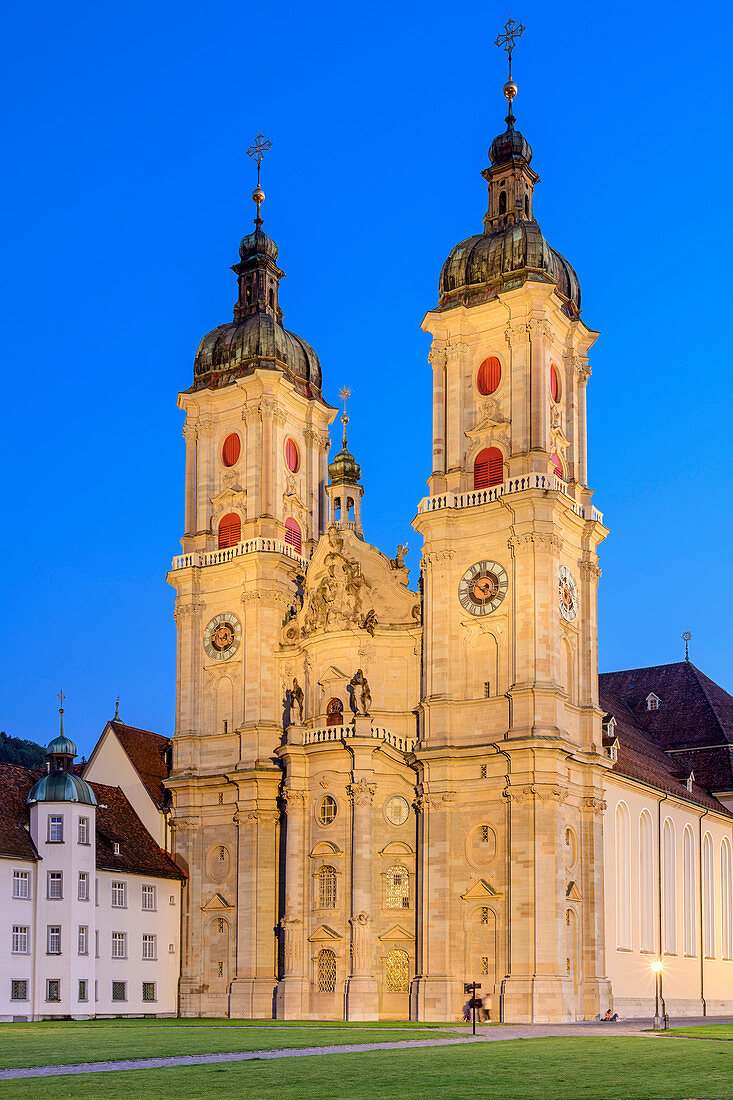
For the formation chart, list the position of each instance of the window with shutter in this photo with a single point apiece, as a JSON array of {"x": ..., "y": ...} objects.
[
  {"x": 489, "y": 375},
  {"x": 554, "y": 383},
  {"x": 557, "y": 465},
  {"x": 231, "y": 450},
  {"x": 335, "y": 713},
  {"x": 292, "y": 458},
  {"x": 488, "y": 469},
  {"x": 230, "y": 530},
  {"x": 292, "y": 535}
]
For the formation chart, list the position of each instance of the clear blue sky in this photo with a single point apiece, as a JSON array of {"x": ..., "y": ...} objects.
[{"x": 126, "y": 191}]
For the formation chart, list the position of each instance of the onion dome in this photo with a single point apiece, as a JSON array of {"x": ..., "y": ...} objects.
[
  {"x": 508, "y": 145},
  {"x": 256, "y": 339},
  {"x": 344, "y": 470},
  {"x": 60, "y": 784}
]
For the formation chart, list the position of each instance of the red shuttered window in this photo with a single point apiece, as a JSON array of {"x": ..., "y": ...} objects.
[
  {"x": 231, "y": 449},
  {"x": 292, "y": 458},
  {"x": 489, "y": 375},
  {"x": 293, "y": 535},
  {"x": 488, "y": 468},
  {"x": 230, "y": 530},
  {"x": 554, "y": 383},
  {"x": 557, "y": 464}
]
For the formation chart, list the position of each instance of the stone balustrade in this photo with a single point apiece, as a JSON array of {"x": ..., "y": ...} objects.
[
  {"x": 300, "y": 735},
  {"x": 511, "y": 486},
  {"x": 260, "y": 545}
]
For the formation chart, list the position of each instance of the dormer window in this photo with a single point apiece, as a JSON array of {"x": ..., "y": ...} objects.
[
  {"x": 116, "y": 847},
  {"x": 652, "y": 701},
  {"x": 689, "y": 781}
]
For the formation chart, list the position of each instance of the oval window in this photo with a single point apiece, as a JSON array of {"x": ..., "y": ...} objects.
[
  {"x": 327, "y": 810},
  {"x": 554, "y": 383},
  {"x": 292, "y": 458},
  {"x": 489, "y": 376},
  {"x": 397, "y": 810},
  {"x": 557, "y": 465},
  {"x": 231, "y": 450}
]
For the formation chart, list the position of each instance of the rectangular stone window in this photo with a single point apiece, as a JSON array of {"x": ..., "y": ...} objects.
[
  {"x": 84, "y": 832},
  {"x": 20, "y": 939},
  {"x": 53, "y": 989},
  {"x": 119, "y": 895},
  {"x": 55, "y": 884},
  {"x": 149, "y": 991},
  {"x": 485, "y": 834},
  {"x": 149, "y": 898},
  {"x": 21, "y": 884},
  {"x": 83, "y": 940},
  {"x": 119, "y": 991},
  {"x": 483, "y": 771},
  {"x": 487, "y": 689},
  {"x": 55, "y": 829},
  {"x": 150, "y": 946},
  {"x": 54, "y": 939},
  {"x": 485, "y": 915},
  {"x": 19, "y": 989},
  {"x": 83, "y": 990},
  {"x": 83, "y": 886},
  {"x": 484, "y": 964},
  {"x": 119, "y": 945}
]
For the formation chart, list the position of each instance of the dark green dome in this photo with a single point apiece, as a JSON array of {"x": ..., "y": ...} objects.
[
  {"x": 344, "y": 470},
  {"x": 61, "y": 746},
  {"x": 62, "y": 786},
  {"x": 509, "y": 145},
  {"x": 233, "y": 350}
]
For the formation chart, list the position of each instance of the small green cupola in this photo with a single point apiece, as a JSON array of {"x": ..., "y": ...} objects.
[
  {"x": 343, "y": 489},
  {"x": 60, "y": 784}
]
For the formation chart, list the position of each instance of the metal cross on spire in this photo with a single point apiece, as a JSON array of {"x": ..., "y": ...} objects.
[
  {"x": 61, "y": 698},
  {"x": 344, "y": 394},
  {"x": 257, "y": 150},
  {"x": 508, "y": 40},
  {"x": 686, "y": 639}
]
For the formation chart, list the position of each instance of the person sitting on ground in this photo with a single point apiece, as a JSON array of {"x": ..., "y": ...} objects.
[{"x": 611, "y": 1019}]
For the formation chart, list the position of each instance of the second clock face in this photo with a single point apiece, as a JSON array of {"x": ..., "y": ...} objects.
[
  {"x": 567, "y": 594},
  {"x": 222, "y": 637},
  {"x": 483, "y": 587}
]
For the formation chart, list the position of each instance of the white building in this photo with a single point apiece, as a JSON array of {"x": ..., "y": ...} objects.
[{"x": 90, "y": 902}]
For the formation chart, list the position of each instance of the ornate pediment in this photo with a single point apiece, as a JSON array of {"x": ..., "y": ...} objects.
[
  {"x": 491, "y": 422},
  {"x": 350, "y": 585},
  {"x": 324, "y": 934},
  {"x": 231, "y": 496},
  {"x": 395, "y": 934},
  {"x": 480, "y": 891},
  {"x": 216, "y": 904}
]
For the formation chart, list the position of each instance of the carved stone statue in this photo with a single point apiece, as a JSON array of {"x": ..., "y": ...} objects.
[
  {"x": 370, "y": 622},
  {"x": 297, "y": 700},
  {"x": 361, "y": 694},
  {"x": 399, "y": 559}
]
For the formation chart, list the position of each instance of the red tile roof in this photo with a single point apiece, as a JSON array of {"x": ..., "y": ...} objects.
[
  {"x": 15, "y": 783},
  {"x": 147, "y": 752}
]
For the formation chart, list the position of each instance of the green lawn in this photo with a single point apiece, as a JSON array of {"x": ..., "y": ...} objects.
[
  {"x": 705, "y": 1031},
  {"x": 523, "y": 1069},
  {"x": 101, "y": 1040}
]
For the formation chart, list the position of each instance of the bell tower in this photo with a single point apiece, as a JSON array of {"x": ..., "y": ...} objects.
[
  {"x": 256, "y": 433},
  {"x": 510, "y": 748}
]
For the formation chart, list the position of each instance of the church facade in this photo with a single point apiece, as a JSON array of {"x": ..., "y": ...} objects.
[{"x": 384, "y": 788}]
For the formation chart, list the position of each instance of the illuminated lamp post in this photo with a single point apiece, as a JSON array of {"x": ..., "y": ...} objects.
[{"x": 657, "y": 968}]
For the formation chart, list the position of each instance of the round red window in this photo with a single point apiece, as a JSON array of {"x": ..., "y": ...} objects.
[
  {"x": 489, "y": 375},
  {"x": 231, "y": 449},
  {"x": 292, "y": 458},
  {"x": 554, "y": 383}
]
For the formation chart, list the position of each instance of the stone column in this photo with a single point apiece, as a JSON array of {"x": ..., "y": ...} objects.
[
  {"x": 204, "y": 480},
  {"x": 582, "y": 372},
  {"x": 436, "y": 991},
  {"x": 362, "y": 1002},
  {"x": 191, "y": 436},
  {"x": 187, "y": 834},
  {"x": 254, "y": 979},
  {"x": 438, "y": 359},
  {"x": 595, "y": 988},
  {"x": 293, "y": 989}
]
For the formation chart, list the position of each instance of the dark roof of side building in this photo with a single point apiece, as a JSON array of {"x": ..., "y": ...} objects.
[
  {"x": 116, "y": 821},
  {"x": 147, "y": 752}
]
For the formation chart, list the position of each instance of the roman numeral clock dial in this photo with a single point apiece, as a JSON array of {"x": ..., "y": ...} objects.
[
  {"x": 222, "y": 637},
  {"x": 483, "y": 587}
]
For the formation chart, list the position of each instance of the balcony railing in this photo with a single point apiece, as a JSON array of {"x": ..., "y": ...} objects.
[
  {"x": 249, "y": 546},
  {"x": 301, "y": 736},
  {"x": 511, "y": 486}
]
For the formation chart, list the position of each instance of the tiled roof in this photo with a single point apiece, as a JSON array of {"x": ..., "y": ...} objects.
[
  {"x": 147, "y": 752},
  {"x": 139, "y": 854},
  {"x": 116, "y": 820},
  {"x": 15, "y": 783}
]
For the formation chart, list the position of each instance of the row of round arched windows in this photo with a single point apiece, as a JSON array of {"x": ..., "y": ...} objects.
[
  {"x": 488, "y": 378},
  {"x": 230, "y": 532},
  {"x": 232, "y": 448}
]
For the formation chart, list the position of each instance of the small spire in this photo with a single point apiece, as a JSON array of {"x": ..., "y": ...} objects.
[
  {"x": 117, "y": 710},
  {"x": 344, "y": 394},
  {"x": 257, "y": 151},
  {"x": 508, "y": 40},
  {"x": 61, "y": 698},
  {"x": 686, "y": 639}
]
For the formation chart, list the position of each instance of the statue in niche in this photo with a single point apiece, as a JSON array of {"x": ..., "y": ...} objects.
[
  {"x": 360, "y": 693},
  {"x": 297, "y": 701}
]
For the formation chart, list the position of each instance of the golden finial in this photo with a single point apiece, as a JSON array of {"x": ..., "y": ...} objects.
[
  {"x": 344, "y": 394},
  {"x": 507, "y": 41},
  {"x": 257, "y": 151},
  {"x": 686, "y": 639},
  {"x": 61, "y": 698},
  {"x": 117, "y": 710}
]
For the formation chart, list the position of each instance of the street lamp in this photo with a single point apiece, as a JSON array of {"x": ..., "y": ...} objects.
[{"x": 657, "y": 968}]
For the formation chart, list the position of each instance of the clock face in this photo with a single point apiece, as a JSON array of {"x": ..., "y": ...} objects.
[
  {"x": 567, "y": 594},
  {"x": 222, "y": 637},
  {"x": 483, "y": 587}
]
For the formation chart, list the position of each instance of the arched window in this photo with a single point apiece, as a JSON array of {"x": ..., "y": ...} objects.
[
  {"x": 272, "y": 298},
  {"x": 326, "y": 971},
  {"x": 670, "y": 889},
  {"x": 248, "y": 295},
  {"x": 231, "y": 450},
  {"x": 489, "y": 376},
  {"x": 623, "y": 883},
  {"x": 726, "y": 899},
  {"x": 398, "y": 888},
  {"x": 557, "y": 465},
  {"x": 555, "y": 390},
  {"x": 398, "y": 971},
  {"x": 334, "y": 713},
  {"x": 646, "y": 882},
  {"x": 688, "y": 894},
  {"x": 526, "y": 206},
  {"x": 488, "y": 469},
  {"x": 230, "y": 530},
  {"x": 327, "y": 888},
  {"x": 292, "y": 535},
  {"x": 708, "y": 896},
  {"x": 502, "y": 202},
  {"x": 292, "y": 458}
]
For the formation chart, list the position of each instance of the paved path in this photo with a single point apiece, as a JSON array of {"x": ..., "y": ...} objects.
[{"x": 456, "y": 1036}]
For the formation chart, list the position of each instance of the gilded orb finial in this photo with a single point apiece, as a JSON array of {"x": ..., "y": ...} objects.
[
  {"x": 257, "y": 151},
  {"x": 507, "y": 41},
  {"x": 344, "y": 394},
  {"x": 686, "y": 639}
]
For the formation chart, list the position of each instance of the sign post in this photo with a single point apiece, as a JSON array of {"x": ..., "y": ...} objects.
[{"x": 471, "y": 987}]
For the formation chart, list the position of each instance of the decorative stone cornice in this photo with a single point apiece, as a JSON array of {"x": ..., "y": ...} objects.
[
  {"x": 190, "y": 430},
  {"x": 539, "y": 327},
  {"x": 316, "y": 439},
  {"x": 544, "y": 791},
  {"x": 437, "y": 557},
  {"x": 590, "y": 569},
  {"x": 185, "y": 610},
  {"x": 267, "y": 599},
  {"x": 293, "y": 798},
  {"x": 515, "y": 334},
  {"x": 435, "y": 802},
  {"x": 360, "y": 792},
  {"x": 256, "y": 817},
  {"x": 184, "y": 823},
  {"x": 595, "y": 805},
  {"x": 541, "y": 540}
]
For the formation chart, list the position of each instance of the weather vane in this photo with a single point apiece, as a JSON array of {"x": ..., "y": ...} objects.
[
  {"x": 61, "y": 698},
  {"x": 257, "y": 151},
  {"x": 117, "y": 710},
  {"x": 508, "y": 40},
  {"x": 345, "y": 394},
  {"x": 686, "y": 639}
]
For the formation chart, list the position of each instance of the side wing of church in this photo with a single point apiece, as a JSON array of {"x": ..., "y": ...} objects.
[{"x": 385, "y": 789}]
